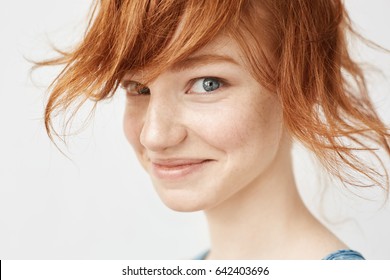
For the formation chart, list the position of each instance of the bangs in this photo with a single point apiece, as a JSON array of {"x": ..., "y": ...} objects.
[{"x": 128, "y": 36}]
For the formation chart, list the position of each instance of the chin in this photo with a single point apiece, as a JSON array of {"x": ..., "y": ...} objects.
[
  {"x": 182, "y": 201},
  {"x": 183, "y": 208}
]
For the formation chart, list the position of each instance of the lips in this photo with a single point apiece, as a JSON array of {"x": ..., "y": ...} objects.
[{"x": 173, "y": 169}]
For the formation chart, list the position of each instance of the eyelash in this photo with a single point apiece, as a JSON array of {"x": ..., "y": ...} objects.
[{"x": 138, "y": 88}]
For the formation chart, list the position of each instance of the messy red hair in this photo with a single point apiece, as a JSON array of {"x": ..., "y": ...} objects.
[{"x": 296, "y": 49}]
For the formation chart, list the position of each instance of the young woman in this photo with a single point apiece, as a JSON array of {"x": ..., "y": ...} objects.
[{"x": 217, "y": 91}]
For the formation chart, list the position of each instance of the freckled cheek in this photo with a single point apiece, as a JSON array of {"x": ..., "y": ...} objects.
[
  {"x": 240, "y": 129},
  {"x": 227, "y": 130}
]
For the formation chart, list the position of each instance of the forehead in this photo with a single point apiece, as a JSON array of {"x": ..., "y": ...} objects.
[{"x": 222, "y": 49}]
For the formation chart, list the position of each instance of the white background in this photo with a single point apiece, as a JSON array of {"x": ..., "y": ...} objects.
[{"x": 100, "y": 204}]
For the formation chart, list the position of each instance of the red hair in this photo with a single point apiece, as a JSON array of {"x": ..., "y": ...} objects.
[{"x": 296, "y": 49}]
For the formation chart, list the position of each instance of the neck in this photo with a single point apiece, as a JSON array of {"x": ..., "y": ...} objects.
[{"x": 253, "y": 223}]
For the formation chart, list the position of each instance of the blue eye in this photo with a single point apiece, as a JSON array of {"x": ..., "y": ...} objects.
[{"x": 205, "y": 85}]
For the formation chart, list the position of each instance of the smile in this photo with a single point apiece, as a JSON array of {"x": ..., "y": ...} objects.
[{"x": 177, "y": 168}]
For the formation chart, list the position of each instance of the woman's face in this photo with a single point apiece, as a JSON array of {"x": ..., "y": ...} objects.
[{"x": 206, "y": 131}]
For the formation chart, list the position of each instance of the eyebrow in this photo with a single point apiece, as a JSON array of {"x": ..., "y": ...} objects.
[{"x": 200, "y": 60}]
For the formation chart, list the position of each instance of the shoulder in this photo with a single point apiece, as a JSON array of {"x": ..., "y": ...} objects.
[{"x": 345, "y": 254}]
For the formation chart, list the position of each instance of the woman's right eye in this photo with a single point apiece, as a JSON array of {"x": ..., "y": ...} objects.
[{"x": 135, "y": 88}]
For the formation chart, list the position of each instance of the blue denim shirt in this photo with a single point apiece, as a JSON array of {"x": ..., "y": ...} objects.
[{"x": 346, "y": 254}]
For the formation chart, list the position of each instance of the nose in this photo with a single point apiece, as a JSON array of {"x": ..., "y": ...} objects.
[{"x": 162, "y": 128}]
